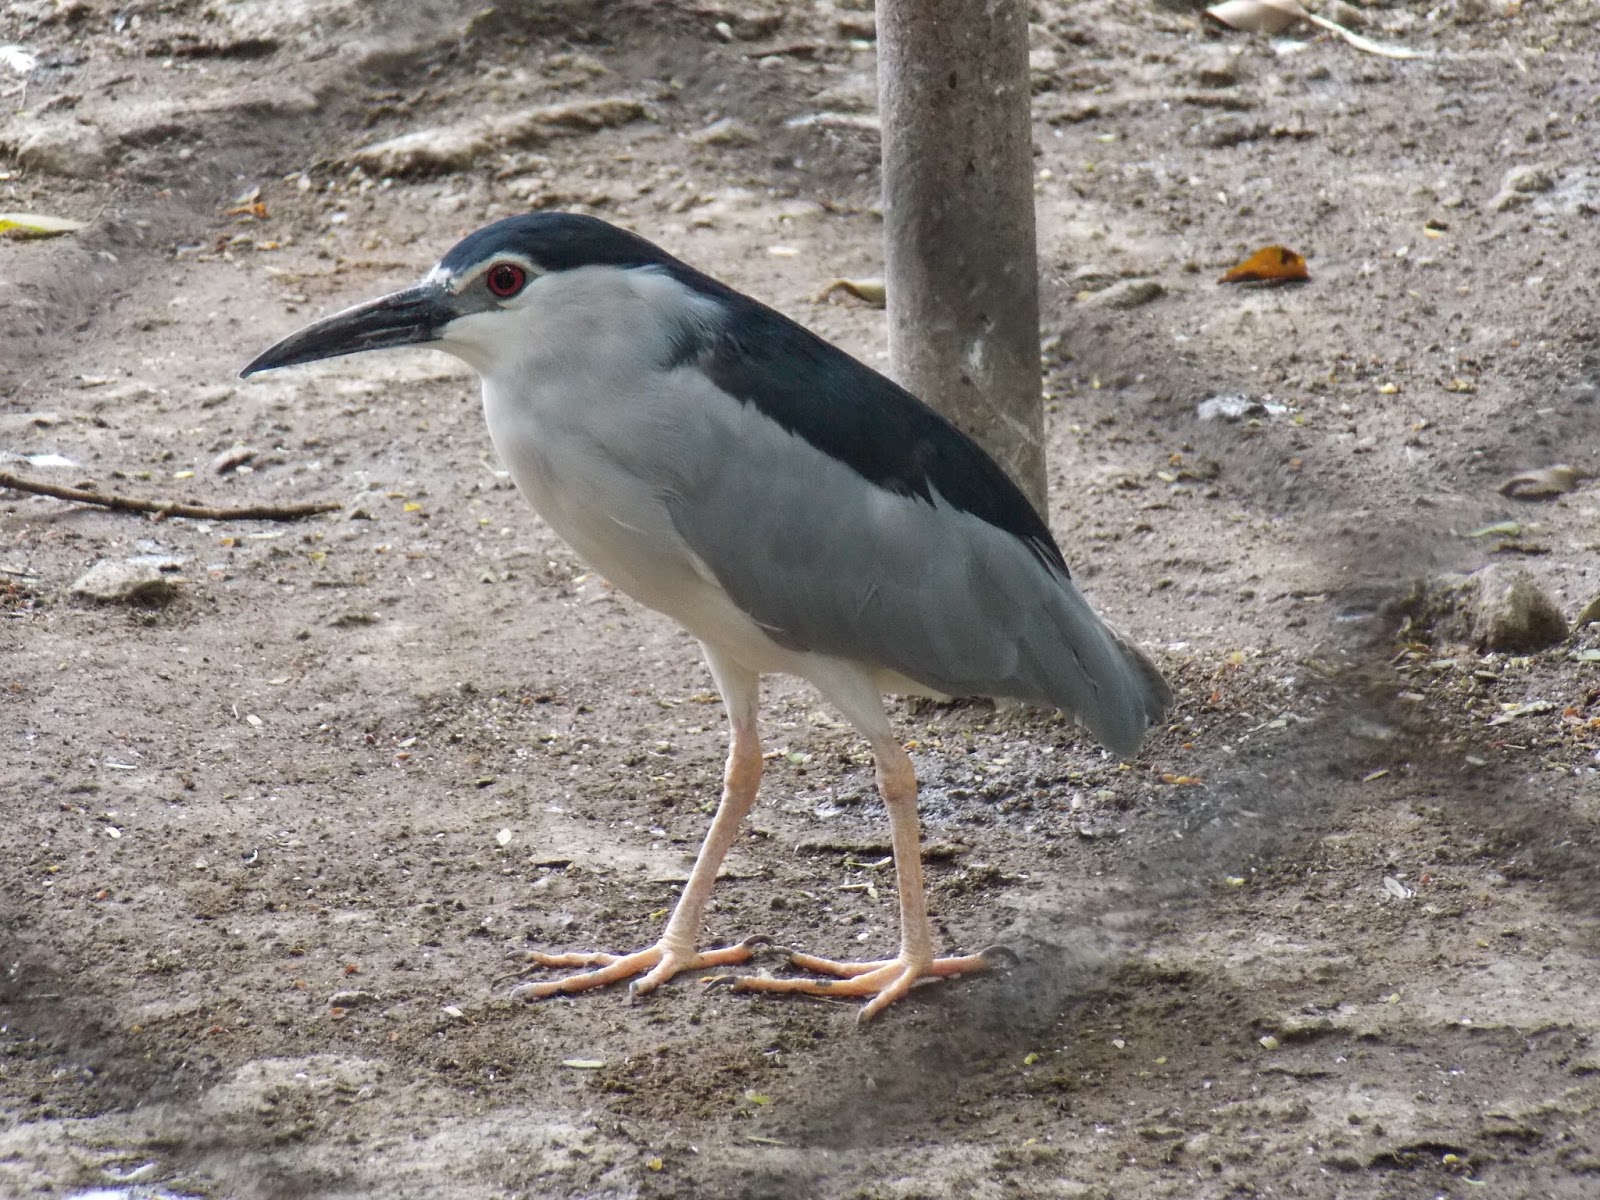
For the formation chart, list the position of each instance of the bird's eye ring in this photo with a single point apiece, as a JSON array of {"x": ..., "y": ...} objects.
[{"x": 505, "y": 279}]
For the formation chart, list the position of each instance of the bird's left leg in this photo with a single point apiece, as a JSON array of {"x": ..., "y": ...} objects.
[
  {"x": 890, "y": 980},
  {"x": 676, "y": 951}
]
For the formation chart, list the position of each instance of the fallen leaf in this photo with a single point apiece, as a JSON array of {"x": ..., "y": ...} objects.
[
  {"x": 36, "y": 225},
  {"x": 1257, "y": 16},
  {"x": 870, "y": 290},
  {"x": 1498, "y": 529},
  {"x": 1397, "y": 889},
  {"x": 17, "y": 59},
  {"x": 1270, "y": 264},
  {"x": 1533, "y": 708},
  {"x": 1274, "y": 16},
  {"x": 1553, "y": 481}
]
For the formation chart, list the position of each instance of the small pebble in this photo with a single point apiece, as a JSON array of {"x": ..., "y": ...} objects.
[
  {"x": 1129, "y": 293},
  {"x": 1232, "y": 407},
  {"x": 112, "y": 581}
]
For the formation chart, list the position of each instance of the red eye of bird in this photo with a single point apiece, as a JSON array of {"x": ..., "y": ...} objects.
[{"x": 506, "y": 279}]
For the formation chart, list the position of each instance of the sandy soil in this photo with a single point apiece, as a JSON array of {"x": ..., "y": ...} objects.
[{"x": 274, "y": 845}]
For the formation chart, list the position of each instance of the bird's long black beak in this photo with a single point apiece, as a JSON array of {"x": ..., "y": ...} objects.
[{"x": 412, "y": 317}]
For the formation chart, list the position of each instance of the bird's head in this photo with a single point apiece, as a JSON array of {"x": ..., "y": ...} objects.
[{"x": 488, "y": 296}]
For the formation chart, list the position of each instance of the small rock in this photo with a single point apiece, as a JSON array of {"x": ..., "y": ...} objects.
[
  {"x": 453, "y": 147},
  {"x": 67, "y": 148},
  {"x": 1344, "y": 14},
  {"x": 1231, "y": 407},
  {"x": 1521, "y": 184},
  {"x": 1130, "y": 293},
  {"x": 1091, "y": 277},
  {"x": 1508, "y": 610},
  {"x": 745, "y": 25},
  {"x": 232, "y": 459},
  {"x": 575, "y": 116},
  {"x": 862, "y": 28},
  {"x": 854, "y": 93},
  {"x": 129, "y": 582},
  {"x": 1218, "y": 71},
  {"x": 730, "y": 131},
  {"x": 1500, "y": 607},
  {"x": 867, "y": 123},
  {"x": 1230, "y": 129},
  {"x": 1298, "y": 1027},
  {"x": 424, "y": 150},
  {"x": 213, "y": 394}
]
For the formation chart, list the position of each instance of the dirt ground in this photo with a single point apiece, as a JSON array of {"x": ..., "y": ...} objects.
[{"x": 274, "y": 845}]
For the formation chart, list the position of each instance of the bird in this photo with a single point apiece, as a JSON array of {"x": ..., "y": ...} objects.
[{"x": 796, "y": 511}]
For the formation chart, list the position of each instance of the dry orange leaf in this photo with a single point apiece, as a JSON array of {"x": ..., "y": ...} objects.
[{"x": 1270, "y": 264}]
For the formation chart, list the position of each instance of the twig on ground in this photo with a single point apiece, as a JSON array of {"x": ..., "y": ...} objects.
[{"x": 170, "y": 508}]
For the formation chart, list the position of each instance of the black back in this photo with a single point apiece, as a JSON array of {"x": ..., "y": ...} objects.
[{"x": 810, "y": 387}]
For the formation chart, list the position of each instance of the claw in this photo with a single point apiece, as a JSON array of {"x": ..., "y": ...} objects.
[{"x": 1004, "y": 953}]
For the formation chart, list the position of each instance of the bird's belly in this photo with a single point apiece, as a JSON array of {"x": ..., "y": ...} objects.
[
  {"x": 610, "y": 530},
  {"x": 621, "y": 528}
]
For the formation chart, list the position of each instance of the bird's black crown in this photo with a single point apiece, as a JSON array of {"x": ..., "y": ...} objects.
[{"x": 560, "y": 241}]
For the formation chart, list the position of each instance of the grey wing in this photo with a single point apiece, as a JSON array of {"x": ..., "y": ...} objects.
[{"x": 825, "y": 561}]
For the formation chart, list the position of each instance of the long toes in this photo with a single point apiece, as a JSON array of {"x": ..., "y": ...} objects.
[
  {"x": 897, "y": 989},
  {"x": 865, "y": 982},
  {"x": 614, "y": 971},
  {"x": 653, "y": 965},
  {"x": 882, "y": 983},
  {"x": 539, "y": 958},
  {"x": 966, "y": 964},
  {"x": 723, "y": 956},
  {"x": 831, "y": 966}
]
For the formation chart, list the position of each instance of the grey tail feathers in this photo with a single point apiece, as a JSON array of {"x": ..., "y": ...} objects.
[
  {"x": 1152, "y": 694},
  {"x": 1116, "y": 691}
]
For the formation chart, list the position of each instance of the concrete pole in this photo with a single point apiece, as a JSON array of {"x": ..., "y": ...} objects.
[{"x": 960, "y": 261}]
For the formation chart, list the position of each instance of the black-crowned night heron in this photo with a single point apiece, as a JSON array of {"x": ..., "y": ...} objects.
[{"x": 793, "y": 509}]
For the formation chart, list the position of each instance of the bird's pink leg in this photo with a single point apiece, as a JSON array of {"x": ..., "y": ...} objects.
[
  {"x": 676, "y": 950},
  {"x": 888, "y": 980}
]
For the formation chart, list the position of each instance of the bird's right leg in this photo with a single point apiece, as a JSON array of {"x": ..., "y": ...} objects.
[{"x": 676, "y": 951}]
